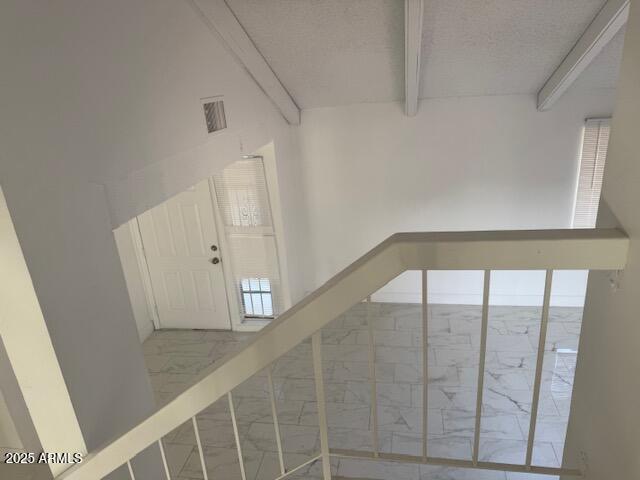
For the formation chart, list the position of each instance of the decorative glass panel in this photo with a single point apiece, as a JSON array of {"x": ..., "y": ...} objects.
[
  {"x": 243, "y": 201},
  {"x": 243, "y": 196}
]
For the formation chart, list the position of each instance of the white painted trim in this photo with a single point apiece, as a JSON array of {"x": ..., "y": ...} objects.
[
  {"x": 425, "y": 361},
  {"x": 482, "y": 363},
  {"x": 316, "y": 351},
  {"x": 372, "y": 379},
  {"x": 236, "y": 435},
  {"x": 143, "y": 268},
  {"x": 593, "y": 249},
  {"x": 238, "y": 323},
  {"x": 413, "y": 16},
  {"x": 476, "y": 299},
  {"x": 601, "y": 30},
  {"x": 276, "y": 423},
  {"x": 542, "y": 338},
  {"x": 130, "y": 468},
  {"x": 203, "y": 463},
  {"x": 220, "y": 19},
  {"x": 165, "y": 464},
  {"x": 235, "y": 316},
  {"x": 270, "y": 163}
]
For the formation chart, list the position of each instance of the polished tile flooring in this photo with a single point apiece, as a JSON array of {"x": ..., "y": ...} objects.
[{"x": 175, "y": 358}]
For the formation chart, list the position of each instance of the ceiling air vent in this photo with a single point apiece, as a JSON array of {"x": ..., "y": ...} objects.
[{"x": 214, "y": 115}]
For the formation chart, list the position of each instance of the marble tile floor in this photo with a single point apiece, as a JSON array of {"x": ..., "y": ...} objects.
[{"x": 175, "y": 358}]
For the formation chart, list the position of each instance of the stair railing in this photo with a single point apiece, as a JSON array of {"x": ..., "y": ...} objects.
[{"x": 594, "y": 249}]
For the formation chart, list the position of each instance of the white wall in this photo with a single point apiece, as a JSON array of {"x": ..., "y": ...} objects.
[
  {"x": 474, "y": 163},
  {"x": 9, "y": 438},
  {"x": 18, "y": 432},
  {"x": 133, "y": 278},
  {"x": 465, "y": 287},
  {"x": 101, "y": 119},
  {"x": 604, "y": 428},
  {"x": 33, "y": 378}
]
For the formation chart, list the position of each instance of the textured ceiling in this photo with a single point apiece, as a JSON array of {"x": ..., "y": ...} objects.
[
  {"x": 330, "y": 52},
  {"x": 493, "y": 47},
  {"x": 336, "y": 52}
]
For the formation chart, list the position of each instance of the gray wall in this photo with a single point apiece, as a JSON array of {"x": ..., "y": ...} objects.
[
  {"x": 472, "y": 163},
  {"x": 604, "y": 429},
  {"x": 101, "y": 119}
]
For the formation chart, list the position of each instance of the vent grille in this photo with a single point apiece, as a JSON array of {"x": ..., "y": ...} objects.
[{"x": 214, "y": 115}]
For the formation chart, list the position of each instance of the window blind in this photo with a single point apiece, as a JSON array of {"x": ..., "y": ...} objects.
[
  {"x": 594, "y": 154},
  {"x": 243, "y": 201}
]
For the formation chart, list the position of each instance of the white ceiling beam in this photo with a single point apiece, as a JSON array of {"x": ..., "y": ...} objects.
[
  {"x": 600, "y": 31},
  {"x": 413, "y": 13},
  {"x": 219, "y": 17}
]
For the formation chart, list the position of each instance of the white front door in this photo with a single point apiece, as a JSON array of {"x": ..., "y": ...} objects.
[{"x": 183, "y": 254}]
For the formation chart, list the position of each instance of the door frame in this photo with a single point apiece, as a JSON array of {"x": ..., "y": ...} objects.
[
  {"x": 237, "y": 323},
  {"x": 234, "y": 308},
  {"x": 143, "y": 267},
  {"x": 145, "y": 273}
]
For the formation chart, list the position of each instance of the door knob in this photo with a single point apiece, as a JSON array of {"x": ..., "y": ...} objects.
[
  {"x": 215, "y": 260},
  {"x": 214, "y": 248}
]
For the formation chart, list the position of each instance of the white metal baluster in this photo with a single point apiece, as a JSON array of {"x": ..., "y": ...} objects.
[
  {"x": 133, "y": 477},
  {"x": 200, "y": 451},
  {"x": 276, "y": 425},
  {"x": 237, "y": 436},
  {"x": 544, "y": 321},
  {"x": 298, "y": 468},
  {"x": 316, "y": 346},
  {"x": 372, "y": 378},
  {"x": 483, "y": 353},
  {"x": 164, "y": 459},
  {"x": 425, "y": 364}
]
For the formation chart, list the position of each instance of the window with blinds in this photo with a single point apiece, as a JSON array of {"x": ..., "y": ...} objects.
[
  {"x": 592, "y": 160},
  {"x": 245, "y": 210}
]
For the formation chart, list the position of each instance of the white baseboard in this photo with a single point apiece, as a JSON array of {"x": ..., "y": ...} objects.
[
  {"x": 473, "y": 299},
  {"x": 396, "y": 297}
]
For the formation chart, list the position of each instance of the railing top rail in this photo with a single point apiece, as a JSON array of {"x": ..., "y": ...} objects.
[
  {"x": 509, "y": 235},
  {"x": 520, "y": 249}
]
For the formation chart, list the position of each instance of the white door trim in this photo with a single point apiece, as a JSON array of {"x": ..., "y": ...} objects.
[
  {"x": 273, "y": 189},
  {"x": 267, "y": 155},
  {"x": 143, "y": 267},
  {"x": 237, "y": 322},
  {"x": 232, "y": 301}
]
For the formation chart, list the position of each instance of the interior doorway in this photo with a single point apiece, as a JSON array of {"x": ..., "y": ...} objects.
[
  {"x": 210, "y": 257},
  {"x": 182, "y": 252}
]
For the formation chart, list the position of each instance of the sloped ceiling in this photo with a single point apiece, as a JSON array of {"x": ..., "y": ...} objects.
[
  {"x": 603, "y": 71},
  {"x": 337, "y": 52},
  {"x": 330, "y": 52},
  {"x": 493, "y": 47}
]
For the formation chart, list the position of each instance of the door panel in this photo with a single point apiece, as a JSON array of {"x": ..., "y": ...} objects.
[{"x": 177, "y": 235}]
